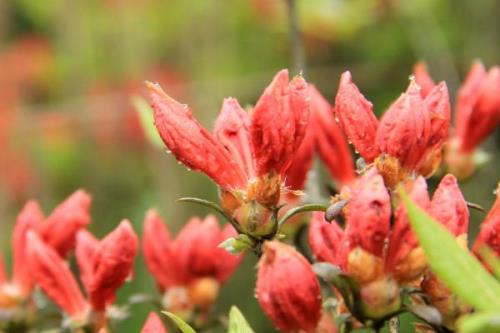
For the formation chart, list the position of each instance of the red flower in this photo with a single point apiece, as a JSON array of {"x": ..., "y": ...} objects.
[
  {"x": 243, "y": 146},
  {"x": 477, "y": 109},
  {"x": 449, "y": 207},
  {"x": 411, "y": 129},
  {"x": 53, "y": 275},
  {"x": 489, "y": 233},
  {"x": 287, "y": 288},
  {"x": 60, "y": 228},
  {"x": 404, "y": 259},
  {"x": 368, "y": 215},
  {"x": 112, "y": 263},
  {"x": 325, "y": 239},
  {"x": 324, "y": 136},
  {"x": 194, "y": 254},
  {"x": 104, "y": 266},
  {"x": 153, "y": 324}
]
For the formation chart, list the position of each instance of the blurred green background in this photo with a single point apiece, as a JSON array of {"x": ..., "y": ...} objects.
[{"x": 68, "y": 71}]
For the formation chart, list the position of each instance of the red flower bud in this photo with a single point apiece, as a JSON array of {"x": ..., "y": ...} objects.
[
  {"x": 437, "y": 103},
  {"x": 279, "y": 123},
  {"x": 194, "y": 254},
  {"x": 477, "y": 109},
  {"x": 113, "y": 263},
  {"x": 232, "y": 129},
  {"x": 356, "y": 117},
  {"x": 449, "y": 207},
  {"x": 489, "y": 233},
  {"x": 287, "y": 289},
  {"x": 153, "y": 324},
  {"x": 192, "y": 144},
  {"x": 403, "y": 259},
  {"x": 368, "y": 214},
  {"x": 28, "y": 219},
  {"x": 332, "y": 146},
  {"x": 325, "y": 238},
  {"x": 404, "y": 129},
  {"x": 424, "y": 80},
  {"x": 198, "y": 253},
  {"x": 60, "y": 228},
  {"x": 54, "y": 277}
]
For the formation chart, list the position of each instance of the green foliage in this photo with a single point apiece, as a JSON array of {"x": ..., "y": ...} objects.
[
  {"x": 183, "y": 326},
  {"x": 237, "y": 322},
  {"x": 482, "y": 322},
  {"x": 459, "y": 270}
]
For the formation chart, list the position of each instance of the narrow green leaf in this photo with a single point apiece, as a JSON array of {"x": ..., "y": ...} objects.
[
  {"x": 459, "y": 270},
  {"x": 301, "y": 209},
  {"x": 183, "y": 326},
  {"x": 481, "y": 322},
  {"x": 213, "y": 206},
  {"x": 147, "y": 121},
  {"x": 237, "y": 322}
]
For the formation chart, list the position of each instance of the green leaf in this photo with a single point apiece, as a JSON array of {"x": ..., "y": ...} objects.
[
  {"x": 183, "y": 326},
  {"x": 238, "y": 244},
  {"x": 481, "y": 322},
  {"x": 237, "y": 322},
  {"x": 491, "y": 259},
  {"x": 213, "y": 206},
  {"x": 147, "y": 121},
  {"x": 459, "y": 270},
  {"x": 301, "y": 209}
]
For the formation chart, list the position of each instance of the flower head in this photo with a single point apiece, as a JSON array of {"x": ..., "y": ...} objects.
[
  {"x": 477, "y": 108},
  {"x": 287, "y": 288},
  {"x": 489, "y": 234},
  {"x": 192, "y": 261},
  {"x": 408, "y": 134}
]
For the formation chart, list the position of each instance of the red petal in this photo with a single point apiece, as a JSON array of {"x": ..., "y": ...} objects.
[
  {"x": 368, "y": 214},
  {"x": 332, "y": 146},
  {"x": 449, "y": 207},
  {"x": 356, "y": 117},
  {"x": 484, "y": 115},
  {"x": 489, "y": 233},
  {"x": 325, "y": 239},
  {"x": 402, "y": 240},
  {"x": 60, "y": 228},
  {"x": 54, "y": 277},
  {"x": 232, "y": 129},
  {"x": 438, "y": 104},
  {"x": 86, "y": 247},
  {"x": 423, "y": 79},
  {"x": 192, "y": 144},
  {"x": 198, "y": 251},
  {"x": 153, "y": 324},
  {"x": 287, "y": 288},
  {"x": 28, "y": 219},
  {"x": 113, "y": 263},
  {"x": 159, "y": 255},
  {"x": 404, "y": 129},
  {"x": 467, "y": 97},
  {"x": 278, "y": 123}
]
